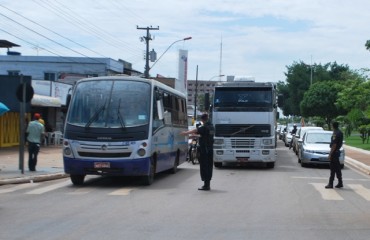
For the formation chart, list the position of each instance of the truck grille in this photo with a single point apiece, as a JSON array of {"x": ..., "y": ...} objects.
[{"x": 242, "y": 130}]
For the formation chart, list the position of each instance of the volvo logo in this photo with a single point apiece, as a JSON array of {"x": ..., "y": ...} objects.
[{"x": 104, "y": 147}]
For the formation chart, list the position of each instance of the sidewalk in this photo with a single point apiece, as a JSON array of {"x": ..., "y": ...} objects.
[{"x": 50, "y": 164}]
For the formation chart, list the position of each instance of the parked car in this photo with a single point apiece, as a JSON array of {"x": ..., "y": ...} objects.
[
  {"x": 279, "y": 130},
  {"x": 315, "y": 148},
  {"x": 299, "y": 136}
]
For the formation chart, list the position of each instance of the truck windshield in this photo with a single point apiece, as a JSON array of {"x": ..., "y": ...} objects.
[
  {"x": 243, "y": 99},
  {"x": 110, "y": 104}
]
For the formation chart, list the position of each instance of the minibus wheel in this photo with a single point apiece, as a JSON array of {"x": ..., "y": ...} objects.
[
  {"x": 173, "y": 170},
  {"x": 148, "y": 180},
  {"x": 77, "y": 179}
]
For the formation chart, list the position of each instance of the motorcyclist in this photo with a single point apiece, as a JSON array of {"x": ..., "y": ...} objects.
[{"x": 293, "y": 132}]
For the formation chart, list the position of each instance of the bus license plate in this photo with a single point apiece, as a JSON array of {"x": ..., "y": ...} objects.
[{"x": 101, "y": 164}]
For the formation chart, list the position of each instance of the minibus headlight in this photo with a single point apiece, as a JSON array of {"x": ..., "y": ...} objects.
[
  {"x": 67, "y": 151},
  {"x": 141, "y": 152}
]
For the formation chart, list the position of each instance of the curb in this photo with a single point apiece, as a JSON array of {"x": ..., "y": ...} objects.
[
  {"x": 358, "y": 165},
  {"x": 39, "y": 178}
]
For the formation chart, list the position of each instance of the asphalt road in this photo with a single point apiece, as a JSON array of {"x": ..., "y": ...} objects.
[{"x": 287, "y": 202}]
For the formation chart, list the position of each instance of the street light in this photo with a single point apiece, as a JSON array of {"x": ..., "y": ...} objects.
[
  {"x": 222, "y": 75},
  {"x": 184, "y": 39}
]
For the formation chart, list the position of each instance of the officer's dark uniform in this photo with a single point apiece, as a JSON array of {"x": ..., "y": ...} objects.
[
  {"x": 206, "y": 132},
  {"x": 335, "y": 168}
]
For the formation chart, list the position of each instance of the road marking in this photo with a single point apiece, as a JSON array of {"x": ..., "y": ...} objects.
[
  {"x": 19, "y": 187},
  {"x": 121, "y": 192},
  {"x": 81, "y": 191},
  {"x": 325, "y": 178},
  {"x": 319, "y": 178},
  {"x": 360, "y": 190},
  {"x": 327, "y": 194},
  {"x": 50, "y": 188}
]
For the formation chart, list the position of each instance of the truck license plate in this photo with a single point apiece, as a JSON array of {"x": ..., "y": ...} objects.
[
  {"x": 242, "y": 159},
  {"x": 101, "y": 164}
]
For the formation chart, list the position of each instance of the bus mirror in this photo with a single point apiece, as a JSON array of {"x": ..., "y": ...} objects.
[{"x": 160, "y": 109}]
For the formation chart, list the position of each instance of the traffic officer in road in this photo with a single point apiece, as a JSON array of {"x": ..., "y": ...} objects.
[
  {"x": 335, "y": 145},
  {"x": 206, "y": 132}
]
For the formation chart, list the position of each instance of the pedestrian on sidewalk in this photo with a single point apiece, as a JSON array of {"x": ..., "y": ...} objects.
[
  {"x": 35, "y": 131},
  {"x": 206, "y": 132},
  {"x": 335, "y": 167}
]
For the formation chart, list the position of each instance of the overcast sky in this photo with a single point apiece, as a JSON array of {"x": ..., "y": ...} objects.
[{"x": 259, "y": 38}]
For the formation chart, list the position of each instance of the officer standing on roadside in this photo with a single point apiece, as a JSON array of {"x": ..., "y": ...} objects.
[
  {"x": 206, "y": 132},
  {"x": 335, "y": 145}
]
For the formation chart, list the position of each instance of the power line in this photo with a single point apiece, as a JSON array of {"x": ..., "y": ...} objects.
[
  {"x": 67, "y": 58},
  {"x": 76, "y": 20},
  {"x": 46, "y": 37},
  {"x": 52, "y": 31}
]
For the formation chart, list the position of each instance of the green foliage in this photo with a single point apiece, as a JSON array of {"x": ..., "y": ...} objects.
[
  {"x": 367, "y": 44},
  {"x": 355, "y": 95},
  {"x": 355, "y": 141},
  {"x": 365, "y": 133},
  {"x": 319, "y": 101},
  {"x": 299, "y": 78}
]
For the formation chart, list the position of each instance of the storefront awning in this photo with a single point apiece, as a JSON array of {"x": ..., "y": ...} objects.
[{"x": 45, "y": 101}]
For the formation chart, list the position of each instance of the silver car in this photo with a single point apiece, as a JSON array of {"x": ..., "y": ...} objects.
[
  {"x": 299, "y": 136},
  {"x": 315, "y": 148}
]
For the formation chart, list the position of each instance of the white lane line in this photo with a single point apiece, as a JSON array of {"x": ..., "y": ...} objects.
[
  {"x": 327, "y": 194},
  {"x": 360, "y": 190},
  {"x": 121, "y": 192},
  {"x": 325, "y": 178},
  {"x": 19, "y": 187},
  {"x": 81, "y": 191},
  {"x": 50, "y": 188}
]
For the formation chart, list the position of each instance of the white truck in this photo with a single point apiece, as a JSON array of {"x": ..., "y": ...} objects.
[{"x": 244, "y": 118}]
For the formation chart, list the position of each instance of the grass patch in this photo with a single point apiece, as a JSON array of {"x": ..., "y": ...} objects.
[{"x": 355, "y": 141}]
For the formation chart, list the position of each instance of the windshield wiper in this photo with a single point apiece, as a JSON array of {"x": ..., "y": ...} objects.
[
  {"x": 120, "y": 118},
  {"x": 95, "y": 116}
]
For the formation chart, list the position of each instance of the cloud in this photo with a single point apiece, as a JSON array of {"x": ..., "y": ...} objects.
[{"x": 259, "y": 38}]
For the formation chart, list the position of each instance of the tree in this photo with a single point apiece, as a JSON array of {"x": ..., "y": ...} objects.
[
  {"x": 299, "y": 77},
  {"x": 320, "y": 101},
  {"x": 367, "y": 45}
]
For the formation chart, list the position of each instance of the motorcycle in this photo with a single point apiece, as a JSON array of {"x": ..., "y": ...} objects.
[{"x": 194, "y": 151}]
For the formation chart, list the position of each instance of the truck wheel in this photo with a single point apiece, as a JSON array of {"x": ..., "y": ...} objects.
[
  {"x": 77, "y": 179},
  {"x": 270, "y": 165}
]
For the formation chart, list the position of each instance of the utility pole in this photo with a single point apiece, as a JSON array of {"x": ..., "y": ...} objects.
[
  {"x": 147, "y": 38},
  {"x": 195, "y": 96}
]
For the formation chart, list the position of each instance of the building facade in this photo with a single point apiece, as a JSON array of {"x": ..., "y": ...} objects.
[
  {"x": 200, "y": 87},
  {"x": 59, "y": 73}
]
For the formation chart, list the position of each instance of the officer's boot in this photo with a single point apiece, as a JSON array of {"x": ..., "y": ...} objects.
[
  {"x": 206, "y": 186},
  {"x": 340, "y": 183},
  {"x": 330, "y": 184}
]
